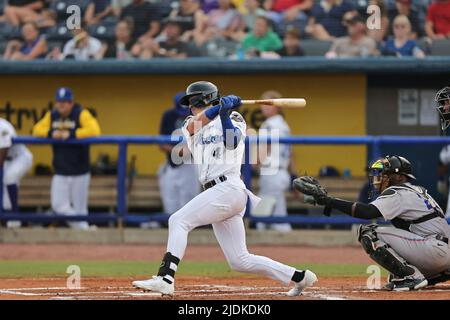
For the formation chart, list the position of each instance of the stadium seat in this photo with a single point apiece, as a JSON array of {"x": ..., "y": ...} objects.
[
  {"x": 3, "y": 43},
  {"x": 103, "y": 31},
  {"x": 52, "y": 44},
  {"x": 10, "y": 32},
  {"x": 2, "y": 6},
  {"x": 313, "y": 47},
  {"x": 361, "y": 6},
  {"x": 425, "y": 45},
  {"x": 440, "y": 48},
  {"x": 59, "y": 33}
]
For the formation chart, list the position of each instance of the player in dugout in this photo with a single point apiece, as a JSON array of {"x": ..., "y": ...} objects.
[{"x": 70, "y": 184}]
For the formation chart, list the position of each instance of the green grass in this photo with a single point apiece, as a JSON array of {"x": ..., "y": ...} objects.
[{"x": 12, "y": 268}]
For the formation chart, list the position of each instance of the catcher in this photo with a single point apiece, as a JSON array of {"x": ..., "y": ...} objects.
[{"x": 416, "y": 249}]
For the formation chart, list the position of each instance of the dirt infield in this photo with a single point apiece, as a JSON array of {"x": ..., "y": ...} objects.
[
  {"x": 200, "y": 288},
  {"x": 190, "y": 287},
  {"x": 288, "y": 254}
]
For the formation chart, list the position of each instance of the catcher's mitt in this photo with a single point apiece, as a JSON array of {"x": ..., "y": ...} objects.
[{"x": 309, "y": 186}]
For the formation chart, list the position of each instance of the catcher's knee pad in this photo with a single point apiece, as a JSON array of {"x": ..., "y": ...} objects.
[{"x": 367, "y": 236}]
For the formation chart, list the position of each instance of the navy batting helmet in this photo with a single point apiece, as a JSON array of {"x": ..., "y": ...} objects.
[{"x": 200, "y": 94}]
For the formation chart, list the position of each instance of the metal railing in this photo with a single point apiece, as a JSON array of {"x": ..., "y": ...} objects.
[{"x": 123, "y": 216}]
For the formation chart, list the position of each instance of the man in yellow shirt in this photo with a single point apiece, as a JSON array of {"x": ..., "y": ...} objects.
[{"x": 70, "y": 184}]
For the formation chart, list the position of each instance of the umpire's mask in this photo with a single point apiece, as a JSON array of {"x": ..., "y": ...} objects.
[{"x": 443, "y": 106}]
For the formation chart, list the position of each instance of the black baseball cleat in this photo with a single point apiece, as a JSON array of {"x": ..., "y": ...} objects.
[
  {"x": 443, "y": 277},
  {"x": 406, "y": 285}
]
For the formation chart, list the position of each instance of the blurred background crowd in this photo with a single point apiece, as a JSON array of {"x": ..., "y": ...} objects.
[{"x": 236, "y": 29}]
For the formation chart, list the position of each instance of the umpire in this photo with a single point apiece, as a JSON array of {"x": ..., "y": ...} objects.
[
  {"x": 416, "y": 249},
  {"x": 70, "y": 184}
]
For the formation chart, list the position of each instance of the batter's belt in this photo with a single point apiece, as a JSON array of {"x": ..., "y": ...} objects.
[{"x": 212, "y": 183}]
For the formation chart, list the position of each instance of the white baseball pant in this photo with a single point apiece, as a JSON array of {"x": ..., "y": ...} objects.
[
  {"x": 223, "y": 206},
  {"x": 69, "y": 196},
  {"x": 13, "y": 171},
  {"x": 275, "y": 186}
]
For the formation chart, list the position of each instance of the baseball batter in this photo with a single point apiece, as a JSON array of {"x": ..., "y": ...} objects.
[
  {"x": 275, "y": 178},
  {"x": 215, "y": 136},
  {"x": 16, "y": 160},
  {"x": 416, "y": 249}
]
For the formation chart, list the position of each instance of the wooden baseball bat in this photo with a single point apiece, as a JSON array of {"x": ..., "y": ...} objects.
[{"x": 282, "y": 102}]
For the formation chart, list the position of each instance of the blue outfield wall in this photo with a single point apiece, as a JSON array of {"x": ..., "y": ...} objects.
[
  {"x": 123, "y": 142},
  {"x": 374, "y": 65}
]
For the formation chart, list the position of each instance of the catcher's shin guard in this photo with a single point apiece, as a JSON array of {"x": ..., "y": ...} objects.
[{"x": 382, "y": 253}]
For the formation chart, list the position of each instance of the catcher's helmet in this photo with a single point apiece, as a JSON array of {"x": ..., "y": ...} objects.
[
  {"x": 391, "y": 165},
  {"x": 443, "y": 105},
  {"x": 200, "y": 94}
]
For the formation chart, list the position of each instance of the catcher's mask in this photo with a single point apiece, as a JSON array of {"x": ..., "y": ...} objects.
[
  {"x": 381, "y": 170},
  {"x": 442, "y": 99},
  {"x": 201, "y": 94}
]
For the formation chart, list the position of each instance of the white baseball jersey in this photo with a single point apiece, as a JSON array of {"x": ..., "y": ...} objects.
[
  {"x": 209, "y": 152},
  {"x": 7, "y": 133},
  {"x": 18, "y": 160},
  {"x": 444, "y": 155},
  {"x": 280, "y": 157}
]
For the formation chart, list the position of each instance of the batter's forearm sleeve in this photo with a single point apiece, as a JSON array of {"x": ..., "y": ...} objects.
[
  {"x": 231, "y": 134},
  {"x": 89, "y": 126},
  {"x": 212, "y": 112},
  {"x": 42, "y": 128},
  {"x": 355, "y": 209}
]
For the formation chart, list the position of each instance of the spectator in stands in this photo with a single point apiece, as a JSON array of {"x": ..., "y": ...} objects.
[
  {"x": 356, "y": 44},
  {"x": 378, "y": 34},
  {"x": 403, "y": 7},
  {"x": 209, "y": 5},
  {"x": 402, "y": 45},
  {"x": 32, "y": 46},
  {"x": 291, "y": 47},
  {"x": 83, "y": 47},
  {"x": 326, "y": 19},
  {"x": 21, "y": 11},
  {"x": 285, "y": 13},
  {"x": 437, "y": 25},
  {"x": 191, "y": 18},
  {"x": 70, "y": 184},
  {"x": 146, "y": 18},
  {"x": 121, "y": 47},
  {"x": 252, "y": 10},
  {"x": 262, "y": 39},
  {"x": 97, "y": 10},
  {"x": 225, "y": 22},
  {"x": 170, "y": 47}
]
